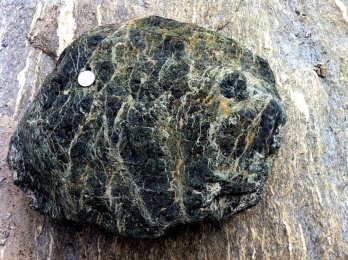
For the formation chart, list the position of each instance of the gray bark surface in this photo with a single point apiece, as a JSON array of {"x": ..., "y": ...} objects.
[{"x": 304, "y": 212}]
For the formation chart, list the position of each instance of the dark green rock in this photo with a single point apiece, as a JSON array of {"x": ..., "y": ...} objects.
[{"x": 180, "y": 125}]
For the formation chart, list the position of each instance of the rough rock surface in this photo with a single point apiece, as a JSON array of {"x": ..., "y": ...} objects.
[
  {"x": 304, "y": 213},
  {"x": 180, "y": 125}
]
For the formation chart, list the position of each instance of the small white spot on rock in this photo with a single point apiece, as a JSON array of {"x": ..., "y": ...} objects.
[
  {"x": 66, "y": 25},
  {"x": 301, "y": 104},
  {"x": 86, "y": 78},
  {"x": 213, "y": 188},
  {"x": 267, "y": 43},
  {"x": 343, "y": 8}
]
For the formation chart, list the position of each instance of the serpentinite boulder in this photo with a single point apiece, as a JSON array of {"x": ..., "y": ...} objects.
[{"x": 180, "y": 125}]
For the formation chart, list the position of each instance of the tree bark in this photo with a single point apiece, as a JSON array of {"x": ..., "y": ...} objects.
[{"x": 304, "y": 211}]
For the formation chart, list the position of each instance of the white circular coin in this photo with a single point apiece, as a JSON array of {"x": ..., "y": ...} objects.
[{"x": 86, "y": 78}]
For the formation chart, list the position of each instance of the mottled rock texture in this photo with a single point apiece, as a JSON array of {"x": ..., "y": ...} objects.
[
  {"x": 304, "y": 210},
  {"x": 180, "y": 125}
]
